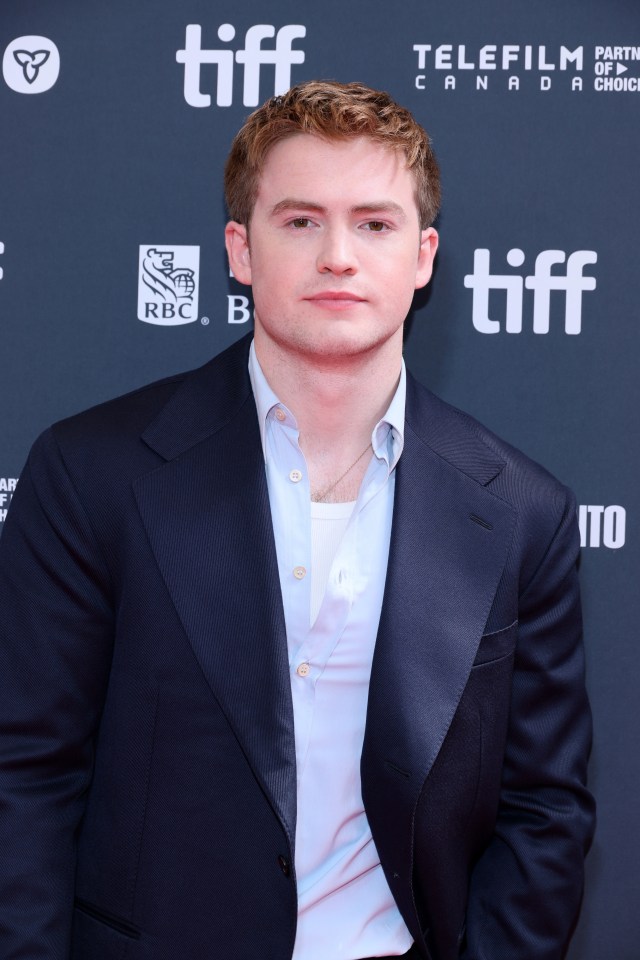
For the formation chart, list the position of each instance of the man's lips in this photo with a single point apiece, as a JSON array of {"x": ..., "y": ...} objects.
[{"x": 335, "y": 297}]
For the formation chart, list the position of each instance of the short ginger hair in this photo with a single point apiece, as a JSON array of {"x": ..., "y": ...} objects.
[{"x": 333, "y": 111}]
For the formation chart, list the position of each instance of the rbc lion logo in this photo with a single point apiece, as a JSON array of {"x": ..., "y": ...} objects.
[{"x": 168, "y": 284}]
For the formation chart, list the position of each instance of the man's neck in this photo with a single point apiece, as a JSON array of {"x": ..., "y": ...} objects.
[{"x": 336, "y": 401}]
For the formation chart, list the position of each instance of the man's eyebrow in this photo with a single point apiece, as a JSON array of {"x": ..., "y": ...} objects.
[
  {"x": 291, "y": 203},
  {"x": 375, "y": 207},
  {"x": 382, "y": 206}
]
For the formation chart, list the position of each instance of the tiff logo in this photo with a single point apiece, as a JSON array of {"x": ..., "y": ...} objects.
[
  {"x": 542, "y": 281},
  {"x": 1, "y": 252},
  {"x": 252, "y": 56}
]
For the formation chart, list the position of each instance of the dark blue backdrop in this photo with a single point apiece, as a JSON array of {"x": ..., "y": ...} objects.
[{"x": 116, "y": 119}]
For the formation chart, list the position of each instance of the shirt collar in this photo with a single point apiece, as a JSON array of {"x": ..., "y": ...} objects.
[{"x": 387, "y": 437}]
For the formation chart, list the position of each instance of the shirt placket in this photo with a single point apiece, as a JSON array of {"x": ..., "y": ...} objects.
[{"x": 314, "y": 653}]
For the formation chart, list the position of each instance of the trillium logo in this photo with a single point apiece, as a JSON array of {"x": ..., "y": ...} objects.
[{"x": 31, "y": 64}]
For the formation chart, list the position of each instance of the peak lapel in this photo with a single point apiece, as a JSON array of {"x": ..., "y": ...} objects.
[
  {"x": 444, "y": 569},
  {"x": 207, "y": 516}
]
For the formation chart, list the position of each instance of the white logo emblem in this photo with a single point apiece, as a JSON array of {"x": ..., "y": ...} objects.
[
  {"x": 572, "y": 283},
  {"x": 492, "y": 64},
  {"x": 1, "y": 251},
  {"x": 602, "y": 526},
  {"x": 253, "y": 56},
  {"x": 31, "y": 64},
  {"x": 509, "y": 66},
  {"x": 7, "y": 488},
  {"x": 168, "y": 284},
  {"x": 610, "y": 65}
]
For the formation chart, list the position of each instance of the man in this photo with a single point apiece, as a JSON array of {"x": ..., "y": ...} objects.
[{"x": 291, "y": 658}]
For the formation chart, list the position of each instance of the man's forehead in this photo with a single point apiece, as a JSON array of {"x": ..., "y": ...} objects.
[
  {"x": 312, "y": 145},
  {"x": 353, "y": 163}
]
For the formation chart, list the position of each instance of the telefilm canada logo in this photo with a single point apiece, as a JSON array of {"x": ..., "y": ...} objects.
[
  {"x": 558, "y": 280},
  {"x": 168, "y": 283},
  {"x": 515, "y": 66},
  {"x": 31, "y": 64},
  {"x": 252, "y": 57}
]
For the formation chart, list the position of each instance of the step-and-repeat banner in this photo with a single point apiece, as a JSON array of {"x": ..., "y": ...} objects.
[{"x": 116, "y": 118}]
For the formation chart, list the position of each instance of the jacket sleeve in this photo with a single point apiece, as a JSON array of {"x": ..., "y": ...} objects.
[
  {"x": 55, "y": 651},
  {"x": 526, "y": 887}
]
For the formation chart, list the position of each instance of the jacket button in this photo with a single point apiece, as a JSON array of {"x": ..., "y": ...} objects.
[{"x": 284, "y": 865}]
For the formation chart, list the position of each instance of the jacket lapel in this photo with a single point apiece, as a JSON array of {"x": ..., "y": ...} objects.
[
  {"x": 206, "y": 512},
  {"x": 444, "y": 569}
]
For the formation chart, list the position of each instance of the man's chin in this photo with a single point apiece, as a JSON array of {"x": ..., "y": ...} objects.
[
  {"x": 330, "y": 343},
  {"x": 336, "y": 348}
]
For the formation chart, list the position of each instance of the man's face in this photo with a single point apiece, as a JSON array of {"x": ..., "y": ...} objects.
[{"x": 334, "y": 251}]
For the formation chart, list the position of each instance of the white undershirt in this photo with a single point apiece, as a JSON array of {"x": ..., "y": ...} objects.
[{"x": 328, "y": 524}]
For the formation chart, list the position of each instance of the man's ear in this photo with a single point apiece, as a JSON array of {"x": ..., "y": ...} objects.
[
  {"x": 236, "y": 241},
  {"x": 426, "y": 256}
]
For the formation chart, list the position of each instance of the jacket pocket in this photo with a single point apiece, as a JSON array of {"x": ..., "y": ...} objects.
[
  {"x": 494, "y": 646},
  {"x": 99, "y": 935}
]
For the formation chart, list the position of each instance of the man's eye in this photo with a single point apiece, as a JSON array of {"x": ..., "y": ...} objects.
[
  {"x": 300, "y": 223},
  {"x": 376, "y": 226}
]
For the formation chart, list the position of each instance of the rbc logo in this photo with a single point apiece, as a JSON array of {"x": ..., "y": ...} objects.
[
  {"x": 252, "y": 57},
  {"x": 542, "y": 281},
  {"x": 168, "y": 285}
]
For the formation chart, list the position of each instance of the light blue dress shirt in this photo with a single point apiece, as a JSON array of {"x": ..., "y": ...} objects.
[{"x": 345, "y": 907}]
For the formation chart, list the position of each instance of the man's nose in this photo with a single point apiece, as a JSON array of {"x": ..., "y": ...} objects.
[{"x": 337, "y": 252}]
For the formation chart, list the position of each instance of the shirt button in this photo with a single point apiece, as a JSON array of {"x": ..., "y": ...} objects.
[
  {"x": 295, "y": 476},
  {"x": 280, "y": 414},
  {"x": 284, "y": 865},
  {"x": 303, "y": 670},
  {"x": 299, "y": 572}
]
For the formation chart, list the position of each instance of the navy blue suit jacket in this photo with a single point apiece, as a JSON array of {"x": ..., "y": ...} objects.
[{"x": 147, "y": 770}]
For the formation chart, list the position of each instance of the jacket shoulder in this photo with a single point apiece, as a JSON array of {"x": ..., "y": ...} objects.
[
  {"x": 106, "y": 446},
  {"x": 194, "y": 393},
  {"x": 477, "y": 451}
]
